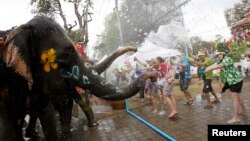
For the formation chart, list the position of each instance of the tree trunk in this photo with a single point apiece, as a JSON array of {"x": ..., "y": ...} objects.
[{"x": 65, "y": 25}]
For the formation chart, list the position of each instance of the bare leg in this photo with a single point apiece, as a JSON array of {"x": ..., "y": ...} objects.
[
  {"x": 188, "y": 96},
  {"x": 155, "y": 104},
  {"x": 171, "y": 106},
  {"x": 173, "y": 102},
  {"x": 209, "y": 102},
  {"x": 216, "y": 97},
  {"x": 236, "y": 106},
  {"x": 242, "y": 107}
]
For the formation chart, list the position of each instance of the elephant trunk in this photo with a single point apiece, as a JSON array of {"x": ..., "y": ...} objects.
[
  {"x": 111, "y": 92},
  {"x": 86, "y": 77},
  {"x": 101, "y": 67}
]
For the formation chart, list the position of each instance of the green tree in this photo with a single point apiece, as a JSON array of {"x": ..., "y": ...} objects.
[
  {"x": 54, "y": 7},
  {"x": 138, "y": 18},
  {"x": 198, "y": 44},
  {"x": 236, "y": 48}
]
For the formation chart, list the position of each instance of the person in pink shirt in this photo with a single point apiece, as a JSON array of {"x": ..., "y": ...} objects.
[{"x": 168, "y": 89}]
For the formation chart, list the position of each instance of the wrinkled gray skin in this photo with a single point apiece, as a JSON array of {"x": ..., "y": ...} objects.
[{"x": 29, "y": 41}]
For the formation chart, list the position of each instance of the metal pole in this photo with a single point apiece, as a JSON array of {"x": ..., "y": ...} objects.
[{"x": 119, "y": 22}]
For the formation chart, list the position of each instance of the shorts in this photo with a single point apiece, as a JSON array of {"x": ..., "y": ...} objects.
[
  {"x": 168, "y": 89},
  {"x": 184, "y": 84},
  {"x": 160, "y": 84},
  {"x": 207, "y": 88},
  {"x": 153, "y": 89},
  {"x": 236, "y": 88}
]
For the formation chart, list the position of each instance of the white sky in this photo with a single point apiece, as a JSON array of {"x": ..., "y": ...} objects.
[{"x": 204, "y": 18}]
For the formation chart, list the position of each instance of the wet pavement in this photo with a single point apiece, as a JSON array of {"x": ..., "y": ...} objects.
[{"x": 191, "y": 124}]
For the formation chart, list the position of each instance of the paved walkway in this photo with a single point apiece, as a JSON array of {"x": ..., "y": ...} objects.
[{"x": 191, "y": 124}]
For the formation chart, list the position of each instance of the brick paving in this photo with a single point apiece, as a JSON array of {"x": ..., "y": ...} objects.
[{"x": 191, "y": 124}]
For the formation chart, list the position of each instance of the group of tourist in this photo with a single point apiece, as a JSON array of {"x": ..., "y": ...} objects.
[{"x": 162, "y": 81}]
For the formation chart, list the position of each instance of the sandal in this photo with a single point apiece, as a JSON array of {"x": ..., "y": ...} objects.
[
  {"x": 216, "y": 101},
  {"x": 191, "y": 101},
  {"x": 208, "y": 106},
  {"x": 173, "y": 116},
  {"x": 93, "y": 124}
]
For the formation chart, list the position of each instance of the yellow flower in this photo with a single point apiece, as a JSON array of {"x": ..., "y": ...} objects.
[{"x": 48, "y": 60}]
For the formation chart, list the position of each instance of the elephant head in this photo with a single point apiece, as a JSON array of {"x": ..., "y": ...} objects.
[{"x": 42, "y": 53}]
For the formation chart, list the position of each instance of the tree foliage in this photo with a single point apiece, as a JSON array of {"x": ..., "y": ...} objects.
[
  {"x": 237, "y": 13},
  {"x": 110, "y": 38},
  {"x": 54, "y": 7},
  {"x": 138, "y": 18},
  {"x": 198, "y": 44}
]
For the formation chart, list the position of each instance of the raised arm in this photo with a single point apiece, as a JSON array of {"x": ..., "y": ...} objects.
[
  {"x": 193, "y": 63},
  {"x": 214, "y": 67}
]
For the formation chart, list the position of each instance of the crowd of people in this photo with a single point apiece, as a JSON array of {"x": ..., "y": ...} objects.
[{"x": 162, "y": 82}]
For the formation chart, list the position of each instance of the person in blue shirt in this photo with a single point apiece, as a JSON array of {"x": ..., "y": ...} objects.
[{"x": 185, "y": 77}]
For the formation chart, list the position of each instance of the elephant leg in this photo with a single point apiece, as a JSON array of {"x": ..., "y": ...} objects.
[
  {"x": 9, "y": 122},
  {"x": 47, "y": 119},
  {"x": 20, "y": 129},
  {"x": 31, "y": 128},
  {"x": 10, "y": 130},
  {"x": 83, "y": 101},
  {"x": 65, "y": 112}
]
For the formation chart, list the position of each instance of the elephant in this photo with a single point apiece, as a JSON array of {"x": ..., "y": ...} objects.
[
  {"x": 14, "y": 93},
  {"x": 14, "y": 100},
  {"x": 63, "y": 102},
  {"x": 44, "y": 57}
]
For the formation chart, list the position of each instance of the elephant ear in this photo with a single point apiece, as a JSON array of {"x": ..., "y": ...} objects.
[{"x": 15, "y": 54}]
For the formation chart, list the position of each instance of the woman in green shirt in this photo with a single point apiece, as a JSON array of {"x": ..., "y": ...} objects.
[{"x": 233, "y": 79}]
